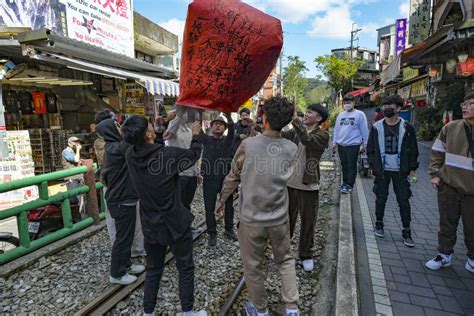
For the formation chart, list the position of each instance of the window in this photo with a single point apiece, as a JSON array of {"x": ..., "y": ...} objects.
[{"x": 144, "y": 57}]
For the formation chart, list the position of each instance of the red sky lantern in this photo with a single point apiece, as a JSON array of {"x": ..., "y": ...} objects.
[{"x": 229, "y": 50}]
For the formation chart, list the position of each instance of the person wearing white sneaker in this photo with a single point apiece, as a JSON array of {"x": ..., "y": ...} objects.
[
  {"x": 303, "y": 187},
  {"x": 166, "y": 222},
  {"x": 440, "y": 261},
  {"x": 308, "y": 265},
  {"x": 452, "y": 173},
  {"x": 121, "y": 201},
  {"x": 263, "y": 204}
]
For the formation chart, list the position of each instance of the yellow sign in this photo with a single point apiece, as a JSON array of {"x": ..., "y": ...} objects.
[
  {"x": 418, "y": 89},
  {"x": 131, "y": 109},
  {"x": 410, "y": 73},
  {"x": 247, "y": 104}
]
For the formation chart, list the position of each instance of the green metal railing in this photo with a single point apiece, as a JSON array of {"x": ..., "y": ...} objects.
[{"x": 20, "y": 212}]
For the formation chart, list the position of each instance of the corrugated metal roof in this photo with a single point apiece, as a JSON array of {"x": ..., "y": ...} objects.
[{"x": 47, "y": 41}]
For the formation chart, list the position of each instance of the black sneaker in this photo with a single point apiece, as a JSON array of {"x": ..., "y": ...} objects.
[
  {"x": 406, "y": 234},
  {"x": 231, "y": 235},
  {"x": 212, "y": 241},
  {"x": 378, "y": 230}
]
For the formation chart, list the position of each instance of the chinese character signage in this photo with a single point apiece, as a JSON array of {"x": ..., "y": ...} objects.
[
  {"x": 229, "y": 50},
  {"x": 400, "y": 36},
  {"x": 107, "y": 24},
  {"x": 104, "y": 23},
  {"x": 418, "y": 89},
  {"x": 410, "y": 73},
  {"x": 419, "y": 27},
  {"x": 18, "y": 165}
]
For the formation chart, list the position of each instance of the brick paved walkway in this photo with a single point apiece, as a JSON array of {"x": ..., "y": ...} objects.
[{"x": 406, "y": 285}]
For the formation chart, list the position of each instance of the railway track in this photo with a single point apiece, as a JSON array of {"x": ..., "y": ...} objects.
[{"x": 116, "y": 293}]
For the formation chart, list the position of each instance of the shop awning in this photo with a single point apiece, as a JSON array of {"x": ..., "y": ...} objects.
[
  {"x": 152, "y": 84},
  {"x": 359, "y": 92},
  {"x": 45, "y": 41},
  {"x": 439, "y": 47}
]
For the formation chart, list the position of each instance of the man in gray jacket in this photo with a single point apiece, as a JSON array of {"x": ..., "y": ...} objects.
[{"x": 264, "y": 165}]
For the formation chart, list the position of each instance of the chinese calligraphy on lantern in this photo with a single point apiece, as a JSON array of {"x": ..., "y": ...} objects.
[{"x": 229, "y": 50}]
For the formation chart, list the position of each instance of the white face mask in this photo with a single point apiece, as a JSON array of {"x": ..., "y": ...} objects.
[{"x": 347, "y": 107}]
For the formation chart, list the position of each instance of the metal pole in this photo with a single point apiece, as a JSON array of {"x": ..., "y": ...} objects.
[
  {"x": 281, "y": 73},
  {"x": 3, "y": 144}
]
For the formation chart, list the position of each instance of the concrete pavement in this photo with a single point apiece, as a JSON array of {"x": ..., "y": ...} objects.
[{"x": 392, "y": 278}]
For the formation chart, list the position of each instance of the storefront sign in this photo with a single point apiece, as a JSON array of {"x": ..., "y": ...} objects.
[
  {"x": 104, "y": 23},
  {"x": 418, "y": 89},
  {"x": 17, "y": 165},
  {"x": 419, "y": 27},
  {"x": 400, "y": 35},
  {"x": 410, "y": 73},
  {"x": 107, "y": 24},
  {"x": 404, "y": 92}
]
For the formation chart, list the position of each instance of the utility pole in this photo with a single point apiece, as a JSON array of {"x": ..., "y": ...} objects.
[
  {"x": 353, "y": 37},
  {"x": 281, "y": 73}
]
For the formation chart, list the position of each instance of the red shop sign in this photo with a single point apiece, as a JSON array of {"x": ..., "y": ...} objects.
[{"x": 229, "y": 50}]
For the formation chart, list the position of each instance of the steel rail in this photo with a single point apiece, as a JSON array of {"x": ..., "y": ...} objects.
[
  {"x": 116, "y": 293},
  {"x": 232, "y": 297}
]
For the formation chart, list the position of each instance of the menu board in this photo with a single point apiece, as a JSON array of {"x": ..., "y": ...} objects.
[
  {"x": 17, "y": 165},
  {"x": 134, "y": 99}
]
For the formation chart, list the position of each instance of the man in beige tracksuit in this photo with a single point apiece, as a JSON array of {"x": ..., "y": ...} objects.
[
  {"x": 264, "y": 165},
  {"x": 452, "y": 172}
]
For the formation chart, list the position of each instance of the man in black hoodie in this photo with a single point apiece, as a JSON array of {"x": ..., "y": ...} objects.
[
  {"x": 216, "y": 161},
  {"x": 154, "y": 172},
  {"x": 121, "y": 200}
]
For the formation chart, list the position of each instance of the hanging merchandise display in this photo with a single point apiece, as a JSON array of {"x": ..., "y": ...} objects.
[
  {"x": 26, "y": 101},
  {"x": 51, "y": 104},
  {"x": 229, "y": 50},
  {"x": 10, "y": 100},
  {"x": 39, "y": 100}
]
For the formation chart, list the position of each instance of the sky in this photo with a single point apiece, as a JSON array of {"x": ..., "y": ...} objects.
[{"x": 311, "y": 27}]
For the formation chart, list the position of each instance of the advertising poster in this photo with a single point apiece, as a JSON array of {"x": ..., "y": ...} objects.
[
  {"x": 18, "y": 165},
  {"x": 107, "y": 24}
]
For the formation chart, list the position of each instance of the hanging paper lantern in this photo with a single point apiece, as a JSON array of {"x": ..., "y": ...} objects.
[{"x": 451, "y": 65}]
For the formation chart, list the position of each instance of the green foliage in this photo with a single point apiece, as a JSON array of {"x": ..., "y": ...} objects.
[
  {"x": 430, "y": 119},
  {"x": 294, "y": 80},
  {"x": 335, "y": 110},
  {"x": 319, "y": 94},
  {"x": 339, "y": 71}
]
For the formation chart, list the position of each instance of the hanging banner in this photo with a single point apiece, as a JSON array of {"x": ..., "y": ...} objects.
[
  {"x": 410, "y": 73},
  {"x": 400, "y": 35},
  {"x": 419, "y": 27},
  {"x": 404, "y": 92},
  {"x": 418, "y": 89},
  {"x": 107, "y": 24},
  {"x": 229, "y": 50}
]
